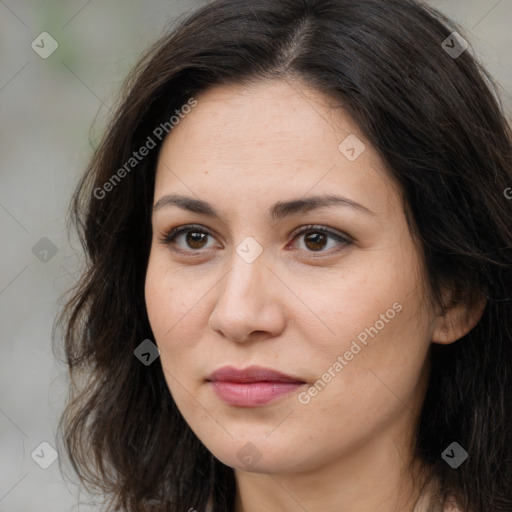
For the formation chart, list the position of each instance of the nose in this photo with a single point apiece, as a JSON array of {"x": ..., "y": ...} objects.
[{"x": 249, "y": 303}]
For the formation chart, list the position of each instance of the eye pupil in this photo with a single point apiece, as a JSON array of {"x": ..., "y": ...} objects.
[
  {"x": 317, "y": 239},
  {"x": 194, "y": 239}
]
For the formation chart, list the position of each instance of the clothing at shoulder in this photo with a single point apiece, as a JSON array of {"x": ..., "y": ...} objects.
[{"x": 430, "y": 501}]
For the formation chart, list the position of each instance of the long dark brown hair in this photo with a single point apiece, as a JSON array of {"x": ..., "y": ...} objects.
[{"x": 436, "y": 120}]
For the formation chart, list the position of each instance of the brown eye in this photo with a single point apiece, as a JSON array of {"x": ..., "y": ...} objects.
[
  {"x": 196, "y": 239},
  {"x": 187, "y": 239},
  {"x": 315, "y": 241}
]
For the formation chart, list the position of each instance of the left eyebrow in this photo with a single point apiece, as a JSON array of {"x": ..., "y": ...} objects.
[
  {"x": 278, "y": 211},
  {"x": 283, "y": 209}
]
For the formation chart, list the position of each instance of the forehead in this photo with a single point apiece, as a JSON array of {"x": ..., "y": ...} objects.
[
  {"x": 264, "y": 116},
  {"x": 270, "y": 138}
]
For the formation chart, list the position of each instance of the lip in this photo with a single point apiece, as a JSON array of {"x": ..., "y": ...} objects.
[
  {"x": 251, "y": 374},
  {"x": 253, "y": 386}
]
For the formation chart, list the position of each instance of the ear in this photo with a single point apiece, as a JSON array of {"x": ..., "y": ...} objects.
[{"x": 458, "y": 318}]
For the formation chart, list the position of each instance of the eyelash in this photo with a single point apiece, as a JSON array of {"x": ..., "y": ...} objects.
[{"x": 169, "y": 238}]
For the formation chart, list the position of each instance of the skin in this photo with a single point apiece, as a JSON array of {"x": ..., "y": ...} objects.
[{"x": 243, "y": 149}]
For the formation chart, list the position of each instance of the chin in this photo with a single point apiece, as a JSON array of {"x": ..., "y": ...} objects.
[{"x": 260, "y": 457}]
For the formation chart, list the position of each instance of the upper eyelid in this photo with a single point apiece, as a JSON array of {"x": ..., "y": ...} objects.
[
  {"x": 325, "y": 229},
  {"x": 179, "y": 230}
]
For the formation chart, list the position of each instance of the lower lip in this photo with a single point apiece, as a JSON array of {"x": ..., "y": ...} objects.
[{"x": 252, "y": 394}]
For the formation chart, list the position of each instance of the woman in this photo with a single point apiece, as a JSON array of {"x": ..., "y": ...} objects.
[{"x": 297, "y": 294}]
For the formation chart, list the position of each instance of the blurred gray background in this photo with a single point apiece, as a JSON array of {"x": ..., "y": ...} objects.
[{"x": 52, "y": 107}]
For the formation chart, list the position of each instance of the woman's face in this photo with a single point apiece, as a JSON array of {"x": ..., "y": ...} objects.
[{"x": 343, "y": 312}]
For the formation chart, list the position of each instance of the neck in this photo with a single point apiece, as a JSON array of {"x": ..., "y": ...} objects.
[{"x": 375, "y": 478}]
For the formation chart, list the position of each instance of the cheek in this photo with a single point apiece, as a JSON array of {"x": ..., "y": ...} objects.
[
  {"x": 352, "y": 301},
  {"x": 167, "y": 298},
  {"x": 166, "y": 304},
  {"x": 175, "y": 305},
  {"x": 159, "y": 296},
  {"x": 377, "y": 320}
]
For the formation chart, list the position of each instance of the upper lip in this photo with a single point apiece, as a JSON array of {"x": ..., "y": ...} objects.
[{"x": 251, "y": 374}]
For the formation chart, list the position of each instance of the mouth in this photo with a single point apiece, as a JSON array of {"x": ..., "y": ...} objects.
[{"x": 253, "y": 386}]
